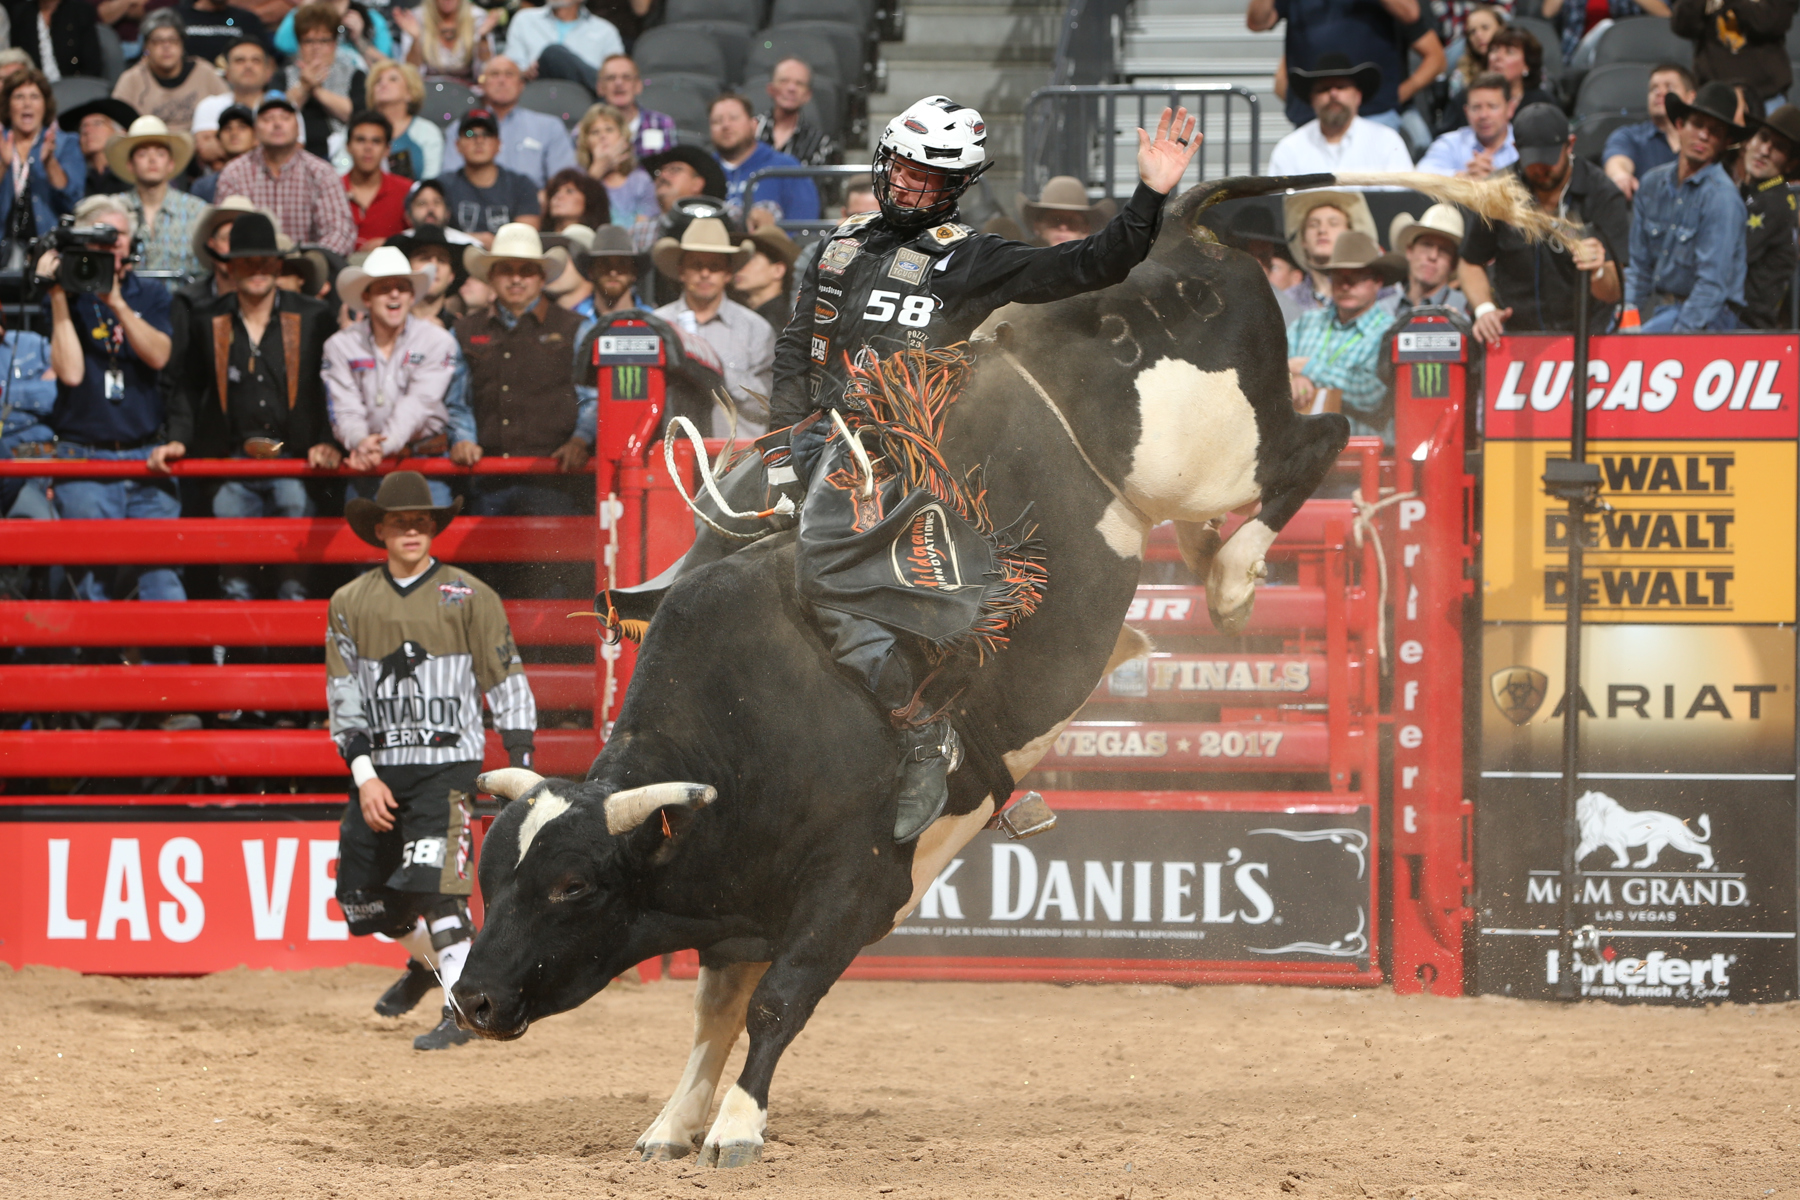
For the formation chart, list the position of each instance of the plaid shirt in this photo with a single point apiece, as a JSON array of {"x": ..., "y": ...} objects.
[
  {"x": 307, "y": 199},
  {"x": 649, "y": 118},
  {"x": 170, "y": 246},
  {"x": 1343, "y": 357}
]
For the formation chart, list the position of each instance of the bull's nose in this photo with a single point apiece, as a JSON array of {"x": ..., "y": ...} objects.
[{"x": 473, "y": 1008}]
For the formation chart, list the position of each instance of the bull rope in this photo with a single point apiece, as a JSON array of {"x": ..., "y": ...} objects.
[
  {"x": 1069, "y": 432},
  {"x": 710, "y": 484}
]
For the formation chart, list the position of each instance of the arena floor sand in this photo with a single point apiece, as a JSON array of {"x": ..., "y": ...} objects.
[{"x": 258, "y": 1084}]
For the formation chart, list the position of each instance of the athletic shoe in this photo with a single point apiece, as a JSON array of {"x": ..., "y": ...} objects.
[
  {"x": 408, "y": 990},
  {"x": 445, "y": 1035}
]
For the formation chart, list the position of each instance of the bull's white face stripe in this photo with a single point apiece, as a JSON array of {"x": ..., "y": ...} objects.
[
  {"x": 1196, "y": 452},
  {"x": 546, "y": 807}
]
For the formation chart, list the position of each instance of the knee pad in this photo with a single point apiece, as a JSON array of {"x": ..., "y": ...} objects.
[
  {"x": 379, "y": 910},
  {"x": 448, "y": 920}
]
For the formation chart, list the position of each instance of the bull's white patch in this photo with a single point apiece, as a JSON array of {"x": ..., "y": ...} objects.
[
  {"x": 1196, "y": 452},
  {"x": 720, "y": 1001},
  {"x": 938, "y": 845},
  {"x": 740, "y": 1122},
  {"x": 1123, "y": 531},
  {"x": 545, "y": 807}
]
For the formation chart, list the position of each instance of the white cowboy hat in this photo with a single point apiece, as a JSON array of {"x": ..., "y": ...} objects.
[
  {"x": 517, "y": 241},
  {"x": 148, "y": 131},
  {"x": 704, "y": 235},
  {"x": 384, "y": 262},
  {"x": 1441, "y": 219}
]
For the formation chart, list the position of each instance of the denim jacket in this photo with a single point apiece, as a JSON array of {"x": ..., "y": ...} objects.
[
  {"x": 26, "y": 397},
  {"x": 1687, "y": 239},
  {"x": 49, "y": 203}
]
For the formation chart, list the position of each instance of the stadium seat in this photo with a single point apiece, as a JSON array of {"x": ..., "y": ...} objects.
[
  {"x": 731, "y": 38},
  {"x": 853, "y": 12},
  {"x": 772, "y": 45},
  {"x": 687, "y": 98},
  {"x": 1551, "y": 41},
  {"x": 72, "y": 91},
  {"x": 1619, "y": 88},
  {"x": 112, "y": 52},
  {"x": 563, "y": 99},
  {"x": 826, "y": 108},
  {"x": 745, "y": 12},
  {"x": 446, "y": 101},
  {"x": 1591, "y": 134},
  {"x": 1642, "y": 40},
  {"x": 849, "y": 42},
  {"x": 673, "y": 48}
]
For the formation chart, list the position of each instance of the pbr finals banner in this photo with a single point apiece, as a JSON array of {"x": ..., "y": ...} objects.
[{"x": 1687, "y": 733}]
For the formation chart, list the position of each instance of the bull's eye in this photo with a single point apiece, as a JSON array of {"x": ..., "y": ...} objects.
[{"x": 570, "y": 888}]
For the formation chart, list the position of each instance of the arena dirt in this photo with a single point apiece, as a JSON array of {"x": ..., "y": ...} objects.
[{"x": 259, "y": 1084}]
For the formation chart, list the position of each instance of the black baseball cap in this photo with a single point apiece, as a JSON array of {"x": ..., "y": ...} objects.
[
  {"x": 272, "y": 100},
  {"x": 478, "y": 118},
  {"x": 239, "y": 113},
  {"x": 1540, "y": 131}
]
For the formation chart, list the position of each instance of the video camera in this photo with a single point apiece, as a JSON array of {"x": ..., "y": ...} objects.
[{"x": 86, "y": 256}]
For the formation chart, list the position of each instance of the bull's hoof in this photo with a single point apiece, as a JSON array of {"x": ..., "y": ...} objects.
[
  {"x": 1230, "y": 606},
  {"x": 663, "y": 1151},
  {"x": 731, "y": 1154},
  {"x": 1199, "y": 543}
]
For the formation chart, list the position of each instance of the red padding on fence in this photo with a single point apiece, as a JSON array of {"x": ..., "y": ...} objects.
[
  {"x": 230, "y": 752},
  {"x": 207, "y": 689},
  {"x": 269, "y": 468},
  {"x": 239, "y": 623},
  {"x": 1190, "y": 746},
  {"x": 283, "y": 540},
  {"x": 158, "y": 800}
]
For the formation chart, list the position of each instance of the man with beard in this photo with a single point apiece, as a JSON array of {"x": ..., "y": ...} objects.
[
  {"x": 1769, "y": 226},
  {"x": 1337, "y": 139},
  {"x": 610, "y": 264},
  {"x": 1485, "y": 144},
  {"x": 741, "y": 155},
  {"x": 1524, "y": 286},
  {"x": 1685, "y": 271}
]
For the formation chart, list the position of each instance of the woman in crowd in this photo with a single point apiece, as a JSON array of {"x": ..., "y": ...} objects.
[
  {"x": 364, "y": 33},
  {"x": 1469, "y": 52},
  {"x": 603, "y": 148},
  {"x": 327, "y": 81},
  {"x": 575, "y": 198},
  {"x": 454, "y": 37},
  {"x": 397, "y": 92},
  {"x": 1516, "y": 54},
  {"x": 46, "y": 174}
]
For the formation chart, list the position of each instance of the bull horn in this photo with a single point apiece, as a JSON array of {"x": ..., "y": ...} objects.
[
  {"x": 625, "y": 811},
  {"x": 508, "y": 782}
]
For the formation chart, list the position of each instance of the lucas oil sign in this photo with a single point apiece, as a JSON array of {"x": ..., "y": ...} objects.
[{"x": 1686, "y": 809}]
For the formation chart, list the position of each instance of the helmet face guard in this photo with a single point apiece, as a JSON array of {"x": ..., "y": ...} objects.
[{"x": 935, "y": 202}]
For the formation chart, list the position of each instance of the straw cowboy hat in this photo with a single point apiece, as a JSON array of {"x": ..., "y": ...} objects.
[
  {"x": 1441, "y": 219},
  {"x": 517, "y": 242},
  {"x": 403, "y": 491},
  {"x": 148, "y": 131},
  {"x": 704, "y": 235},
  {"x": 229, "y": 209},
  {"x": 1294, "y": 210},
  {"x": 384, "y": 262},
  {"x": 1064, "y": 194}
]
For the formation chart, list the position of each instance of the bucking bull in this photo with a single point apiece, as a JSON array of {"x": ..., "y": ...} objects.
[{"x": 731, "y": 810}]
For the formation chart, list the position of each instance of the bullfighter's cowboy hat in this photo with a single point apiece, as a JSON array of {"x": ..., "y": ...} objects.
[
  {"x": 1366, "y": 76},
  {"x": 403, "y": 491},
  {"x": 1716, "y": 100},
  {"x": 517, "y": 242},
  {"x": 148, "y": 131},
  {"x": 1065, "y": 194},
  {"x": 704, "y": 235},
  {"x": 384, "y": 262}
]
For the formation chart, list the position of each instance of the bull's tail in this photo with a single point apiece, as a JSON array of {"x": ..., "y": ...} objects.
[{"x": 1190, "y": 204}]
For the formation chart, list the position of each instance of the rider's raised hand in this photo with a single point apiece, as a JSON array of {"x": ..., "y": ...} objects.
[{"x": 1162, "y": 159}]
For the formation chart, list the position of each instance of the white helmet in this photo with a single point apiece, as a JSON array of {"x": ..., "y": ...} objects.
[{"x": 940, "y": 136}]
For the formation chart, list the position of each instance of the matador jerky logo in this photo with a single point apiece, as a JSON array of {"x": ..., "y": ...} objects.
[{"x": 924, "y": 556}]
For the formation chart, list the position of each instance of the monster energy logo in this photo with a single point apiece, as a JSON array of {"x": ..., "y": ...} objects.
[
  {"x": 630, "y": 383},
  {"x": 1431, "y": 381}
]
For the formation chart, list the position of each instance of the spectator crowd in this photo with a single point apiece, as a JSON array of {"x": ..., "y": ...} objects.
[{"x": 1681, "y": 205}]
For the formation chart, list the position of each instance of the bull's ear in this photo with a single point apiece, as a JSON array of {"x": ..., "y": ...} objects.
[{"x": 627, "y": 810}]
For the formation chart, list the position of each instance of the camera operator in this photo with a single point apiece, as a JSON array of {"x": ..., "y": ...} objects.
[{"x": 106, "y": 350}]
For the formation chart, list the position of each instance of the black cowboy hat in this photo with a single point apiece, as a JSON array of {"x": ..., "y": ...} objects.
[
  {"x": 1784, "y": 123},
  {"x": 1366, "y": 76},
  {"x": 403, "y": 491},
  {"x": 1716, "y": 100},
  {"x": 420, "y": 236},
  {"x": 708, "y": 167},
  {"x": 69, "y": 121},
  {"x": 252, "y": 236}
]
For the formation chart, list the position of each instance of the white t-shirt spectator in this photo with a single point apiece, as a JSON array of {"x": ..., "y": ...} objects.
[
  {"x": 1366, "y": 146},
  {"x": 534, "y": 30}
]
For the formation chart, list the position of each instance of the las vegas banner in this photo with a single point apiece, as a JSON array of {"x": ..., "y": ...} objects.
[{"x": 1687, "y": 787}]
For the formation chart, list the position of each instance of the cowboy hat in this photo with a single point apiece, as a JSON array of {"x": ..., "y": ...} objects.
[
  {"x": 384, "y": 262},
  {"x": 774, "y": 244},
  {"x": 1356, "y": 251},
  {"x": 1784, "y": 123},
  {"x": 253, "y": 236},
  {"x": 610, "y": 241},
  {"x": 230, "y": 209},
  {"x": 309, "y": 266},
  {"x": 1441, "y": 219},
  {"x": 1296, "y": 207},
  {"x": 1063, "y": 194},
  {"x": 1366, "y": 76},
  {"x": 1716, "y": 100},
  {"x": 704, "y": 235},
  {"x": 403, "y": 491},
  {"x": 704, "y": 164},
  {"x": 148, "y": 131},
  {"x": 122, "y": 114},
  {"x": 516, "y": 241}
]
